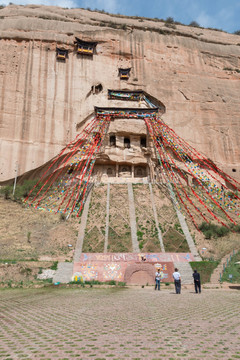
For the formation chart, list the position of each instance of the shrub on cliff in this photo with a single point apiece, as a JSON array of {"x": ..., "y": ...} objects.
[
  {"x": 21, "y": 191},
  {"x": 212, "y": 230},
  {"x": 169, "y": 20},
  {"x": 6, "y": 191},
  {"x": 194, "y": 24}
]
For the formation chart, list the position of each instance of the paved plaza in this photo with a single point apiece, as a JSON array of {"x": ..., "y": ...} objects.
[{"x": 119, "y": 323}]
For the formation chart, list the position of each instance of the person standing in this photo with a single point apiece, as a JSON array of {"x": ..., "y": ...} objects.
[
  {"x": 177, "y": 281},
  {"x": 158, "y": 277},
  {"x": 197, "y": 282}
]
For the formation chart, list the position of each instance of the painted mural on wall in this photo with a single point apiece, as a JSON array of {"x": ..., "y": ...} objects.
[
  {"x": 86, "y": 272},
  {"x": 105, "y": 271},
  {"x": 112, "y": 271},
  {"x": 136, "y": 257}
]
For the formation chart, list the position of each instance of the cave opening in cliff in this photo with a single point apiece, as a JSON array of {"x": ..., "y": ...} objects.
[
  {"x": 143, "y": 141},
  {"x": 110, "y": 172},
  {"x": 161, "y": 149},
  {"x": 61, "y": 54},
  {"x": 124, "y": 73},
  {"x": 85, "y": 47},
  {"x": 96, "y": 89},
  {"x": 127, "y": 143},
  {"x": 112, "y": 140}
]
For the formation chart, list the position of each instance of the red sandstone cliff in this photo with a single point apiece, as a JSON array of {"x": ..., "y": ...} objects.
[{"x": 43, "y": 101}]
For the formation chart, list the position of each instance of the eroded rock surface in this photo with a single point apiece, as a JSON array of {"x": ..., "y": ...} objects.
[{"x": 44, "y": 102}]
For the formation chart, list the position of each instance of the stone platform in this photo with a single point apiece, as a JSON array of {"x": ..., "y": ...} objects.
[{"x": 132, "y": 268}]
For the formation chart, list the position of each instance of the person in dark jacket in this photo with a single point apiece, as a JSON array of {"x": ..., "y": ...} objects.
[{"x": 197, "y": 281}]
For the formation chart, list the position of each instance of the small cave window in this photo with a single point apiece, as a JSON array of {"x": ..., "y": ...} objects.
[
  {"x": 113, "y": 140},
  {"x": 109, "y": 171},
  {"x": 61, "y": 54},
  {"x": 139, "y": 172},
  {"x": 124, "y": 73},
  {"x": 127, "y": 143},
  {"x": 85, "y": 47},
  {"x": 143, "y": 141},
  {"x": 96, "y": 89},
  {"x": 125, "y": 169},
  {"x": 234, "y": 170}
]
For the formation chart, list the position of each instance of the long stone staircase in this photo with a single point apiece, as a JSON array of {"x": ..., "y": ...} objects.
[
  {"x": 186, "y": 272},
  {"x": 65, "y": 271},
  {"x": 215, "y": 278}
]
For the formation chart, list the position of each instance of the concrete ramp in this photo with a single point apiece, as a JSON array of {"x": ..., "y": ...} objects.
[{"x": 64, "y": 273}]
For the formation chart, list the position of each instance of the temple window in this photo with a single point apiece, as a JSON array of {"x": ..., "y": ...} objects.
[
  {"x": 85, "y": 47},
  {"x": 127, "y": 143},
  {"x": 143, "y": 141},
  {"x": 140, "y": 172},
  {"x": 61, "y": 54},
  {"x": 125, "y": 169},
  {"x": 109, "y": 171},
  {"x": 113, "y": 140},
  {"x": 124, "y": 73}
]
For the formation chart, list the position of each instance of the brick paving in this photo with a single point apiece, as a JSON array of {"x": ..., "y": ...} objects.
[{"x": 118, "y": 323}]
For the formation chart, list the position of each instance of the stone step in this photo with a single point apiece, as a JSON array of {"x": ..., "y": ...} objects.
[
  {"x": 63, "y": 273},
  {"x": 184, "y": 225},
  {"x": 186, "y": 272},
  {"x": 215, "y": 278},
  {"x": 133, "y": 223},
  {"x": 82, "y": 227}
]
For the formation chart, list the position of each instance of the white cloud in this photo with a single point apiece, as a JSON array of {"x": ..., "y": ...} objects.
[
  {"x": 61, "y": 3},
  {"x": 205, "y": 20},
  {"x": 222, "y": 19}
]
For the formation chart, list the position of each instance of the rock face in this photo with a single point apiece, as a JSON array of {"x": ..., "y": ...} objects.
[{"x": 44, "y": 102}]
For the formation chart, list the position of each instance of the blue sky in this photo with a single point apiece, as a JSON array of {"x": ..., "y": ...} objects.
[{"x": 220, "y": 14}]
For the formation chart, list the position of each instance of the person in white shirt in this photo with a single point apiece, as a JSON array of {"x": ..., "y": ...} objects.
[
  {"x": 177, "y": 281},
  {"x": 158, "y": 277}
]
